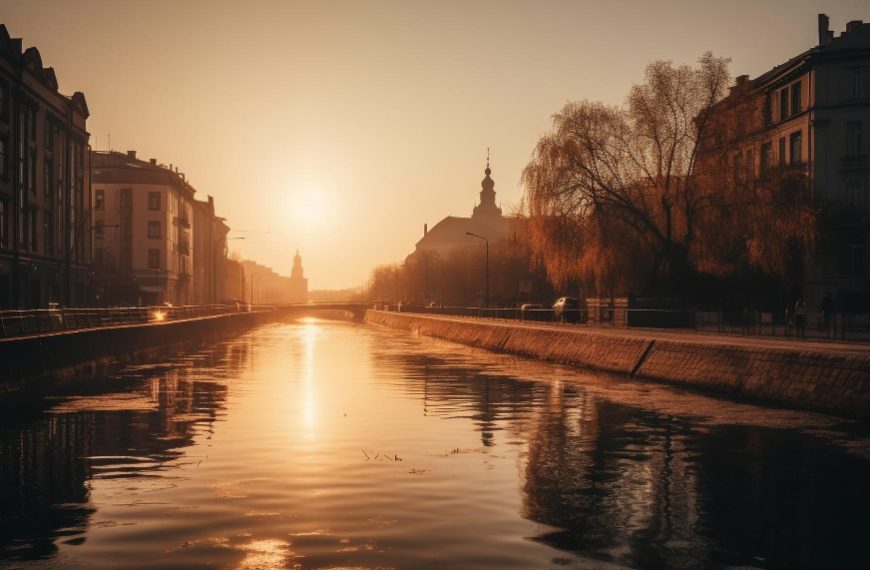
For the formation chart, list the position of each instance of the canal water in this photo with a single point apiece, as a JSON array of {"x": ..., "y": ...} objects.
[{"x": 323, "y": 444}]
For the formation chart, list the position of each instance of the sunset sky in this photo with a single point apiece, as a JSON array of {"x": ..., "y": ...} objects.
[{"x": 343, "y": 127}]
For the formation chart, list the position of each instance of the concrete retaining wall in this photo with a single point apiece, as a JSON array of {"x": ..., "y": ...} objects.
[
  {"x": 69, "y": 353},
  {"x": 827, "y": 382}
]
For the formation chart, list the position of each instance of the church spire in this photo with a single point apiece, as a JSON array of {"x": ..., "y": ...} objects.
[{"x": 487, "y": 206}]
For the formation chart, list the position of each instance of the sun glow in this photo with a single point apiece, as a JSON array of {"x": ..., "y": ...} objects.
[{"x": 309, "y": 210}]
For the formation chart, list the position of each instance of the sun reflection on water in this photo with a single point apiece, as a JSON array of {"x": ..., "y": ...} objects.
[{"x": 310, "y": 333}]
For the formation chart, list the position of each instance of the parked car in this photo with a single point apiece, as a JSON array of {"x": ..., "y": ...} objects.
[
  {"x": 55, "y": 314},
  {"x": 566, "y": 310}
]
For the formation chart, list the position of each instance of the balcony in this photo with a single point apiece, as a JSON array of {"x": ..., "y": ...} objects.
[
  {"x": 184, "y": 248},
  {"x": 183, "y": 220},
  {"x": 853, "y": 161}
]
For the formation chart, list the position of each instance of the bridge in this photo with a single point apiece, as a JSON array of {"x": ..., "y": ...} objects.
[{"x": 358, "y": 310}]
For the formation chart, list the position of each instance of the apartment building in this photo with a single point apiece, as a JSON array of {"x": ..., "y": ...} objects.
[
  {"x": 45, "y": 195},
  {"x": 811, "y": 115},
  {"x": 143, "y": 231}
]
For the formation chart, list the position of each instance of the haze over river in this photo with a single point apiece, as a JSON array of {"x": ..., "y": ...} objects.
[{"x": 323, "y": 444}]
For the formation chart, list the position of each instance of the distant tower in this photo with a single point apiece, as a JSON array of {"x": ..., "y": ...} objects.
[
  {"x": 298, "y": 282},
  {"x": 487, "y": 207}
]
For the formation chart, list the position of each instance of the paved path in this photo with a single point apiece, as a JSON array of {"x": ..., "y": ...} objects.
[{"x": 700, "y": 337}]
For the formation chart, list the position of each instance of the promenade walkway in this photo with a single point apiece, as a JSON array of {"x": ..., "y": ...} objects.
[{"x": 690, "y": 336}]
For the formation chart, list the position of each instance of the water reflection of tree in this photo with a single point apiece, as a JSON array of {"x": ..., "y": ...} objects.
[
  {"x": 45, "y": 463},
  {"x": 626, "y": 484},
  {"x": 610, "y": 477},
  {"x": 451, "y": 390}
]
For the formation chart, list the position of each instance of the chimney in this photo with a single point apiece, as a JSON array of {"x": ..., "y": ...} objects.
[
  {"x": 425, "y": 229},
  {"x": 131, "y": 154},
  {"x": 854, "y": 25},
  {"x": 153, "y": 161},
  {"x": 825, "y": 33}
]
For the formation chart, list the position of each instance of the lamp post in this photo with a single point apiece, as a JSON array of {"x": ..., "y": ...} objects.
[{"x": 486, "y": 242}]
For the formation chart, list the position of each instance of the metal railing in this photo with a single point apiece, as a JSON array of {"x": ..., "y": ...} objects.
[
  {"x": 845, "y": 326},
  {"x": 14, "y": 323}
]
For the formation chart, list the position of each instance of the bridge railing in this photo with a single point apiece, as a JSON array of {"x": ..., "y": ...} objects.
[
  {"x": 840, "y": 326},
  {"x": 25, "y": 322}
]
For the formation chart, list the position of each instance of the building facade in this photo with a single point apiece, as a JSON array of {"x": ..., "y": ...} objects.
[
  {"x": 146, "y": 247},
  {"x": 451, "y": 233},
  {"x": 298, "y": 283},
  {"x": 45, "y": 207},
  {"x": 811, "y": 116}
]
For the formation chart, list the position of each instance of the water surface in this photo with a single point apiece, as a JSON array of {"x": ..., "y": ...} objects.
[{"x": 321, "y": 445}]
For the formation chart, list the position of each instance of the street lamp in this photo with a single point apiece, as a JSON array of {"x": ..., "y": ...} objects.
[{"x": 485, "y": 241}]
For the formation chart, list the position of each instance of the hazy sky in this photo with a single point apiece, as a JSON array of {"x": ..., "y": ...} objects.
[{"x": 344, "y": 126}]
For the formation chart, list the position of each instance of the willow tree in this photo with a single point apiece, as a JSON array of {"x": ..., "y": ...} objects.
[{"x": 611, "y": 199}]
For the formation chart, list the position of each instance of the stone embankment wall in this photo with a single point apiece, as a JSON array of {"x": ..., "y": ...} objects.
[
  {"x": 78, "y": 352},
  {"x": 828, "y": 382}
]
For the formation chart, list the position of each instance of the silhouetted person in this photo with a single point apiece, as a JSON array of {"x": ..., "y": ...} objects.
[
  {"x": 827, "y": 310},
  {"x": 800, "y": 317},
  {"x": 789, "y": 316}
]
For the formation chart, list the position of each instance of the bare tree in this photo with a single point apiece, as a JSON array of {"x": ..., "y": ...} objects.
[{"x": 611, "y": 198}]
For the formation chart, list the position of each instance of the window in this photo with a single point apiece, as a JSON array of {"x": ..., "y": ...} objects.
[
  {"x": 153, "y": 200},
  {"x": 853, "y": 83},
  {"x": 2, "y": 158},
  {"x": 34, "y": 230},
  {"x": 99, "y": 199},
  {"x": 796, "y": 106},
  {"x": 153, "y": 259},
  {"x": 739, "y": 167},
  {"x": 795, "y": 146},
  {"x": 47, "y": 141},
  {"x": 126, "y": 199},
  {"x": 98, "y": 230},
  {"x": 750, "y": 164},
  {"x": 153, "y": 229},
  {"x": 48, "y": 238},
  {"x": 782, "y": 151},
  {"x": 47, "y": 177},
  {"x": 783, "y": 104},
  {"x": 853, "y": 138},
  {"x": 766, "y": 109},
  {"x": 766, "y": 156},
  {"x": 31, "y": 182},
  {"x": 4, "y": 224},
  {"x": 852, "y": 263},
  {"x": 855, "y": 193},
  {"x": 3, "y": 101}
]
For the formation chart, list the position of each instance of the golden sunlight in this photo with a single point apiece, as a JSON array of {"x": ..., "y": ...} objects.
[{"x": 309, "y": 209}]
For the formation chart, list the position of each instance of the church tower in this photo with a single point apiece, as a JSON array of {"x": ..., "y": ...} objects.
[
  {"x": 487, "y": 207},
  {"x": 298, "y": 282}
]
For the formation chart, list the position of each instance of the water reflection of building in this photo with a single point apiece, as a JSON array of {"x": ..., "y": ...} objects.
[
  {"x": 626, "y": 484},
  {"x": 49, "y": 459}
]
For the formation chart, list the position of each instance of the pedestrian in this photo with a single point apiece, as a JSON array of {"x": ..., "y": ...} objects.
[
  {"x": 789, "y": 316},
  {"x": 827, "y": 311},
  {"x": 800, "y": 318}
]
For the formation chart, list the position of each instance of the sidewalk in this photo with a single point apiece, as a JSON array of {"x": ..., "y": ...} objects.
[{"x": 691, "y": 336}]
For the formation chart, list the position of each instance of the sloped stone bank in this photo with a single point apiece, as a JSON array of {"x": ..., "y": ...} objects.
[{"x": 828, "y": 382}]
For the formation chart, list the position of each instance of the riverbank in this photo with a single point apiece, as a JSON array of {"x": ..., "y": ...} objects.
[
  {"x": 84, "y": 352},
  {"x": 832, "y": 378}
]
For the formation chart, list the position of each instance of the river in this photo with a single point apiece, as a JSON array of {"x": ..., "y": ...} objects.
[{"x": 321, "y": 444}]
